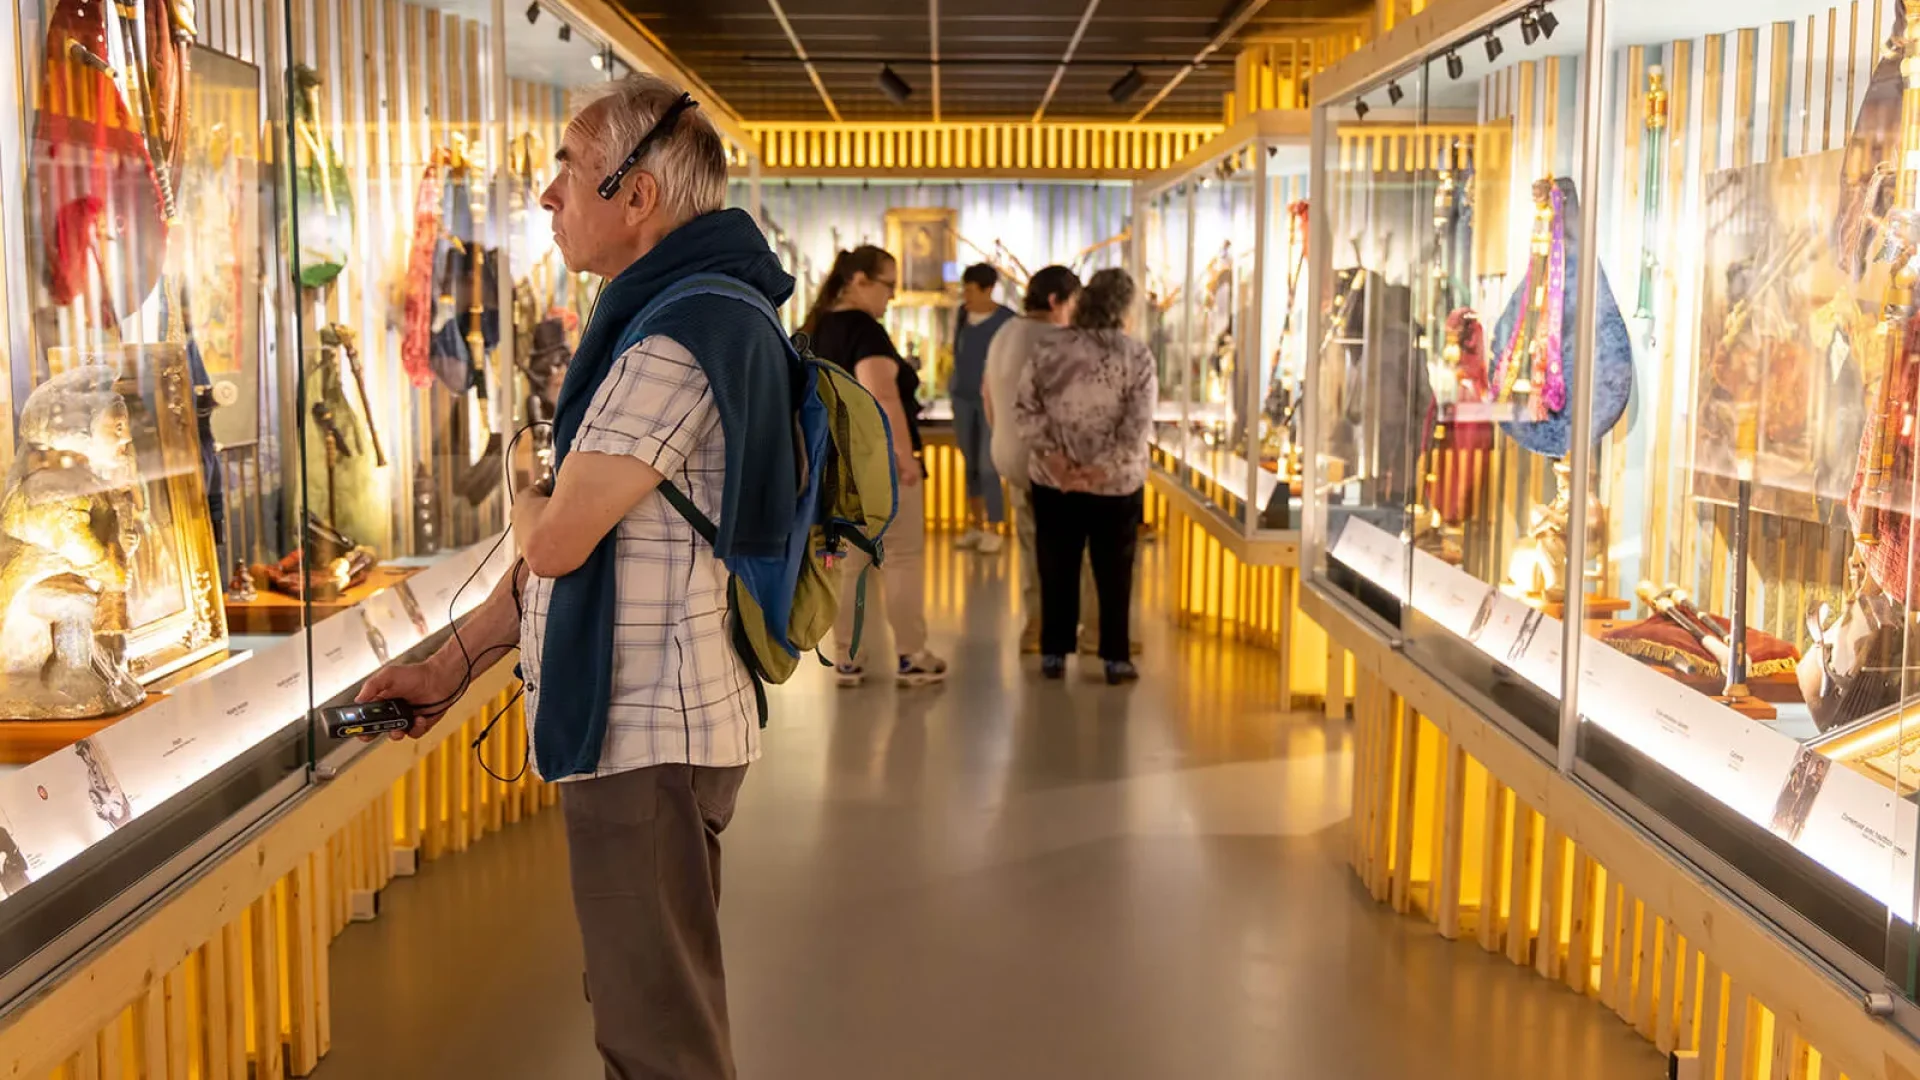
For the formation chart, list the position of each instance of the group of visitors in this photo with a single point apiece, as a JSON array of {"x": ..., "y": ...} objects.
[
  {"x": 674, "y": 416},
  {"x": 1059, "y": 402}
]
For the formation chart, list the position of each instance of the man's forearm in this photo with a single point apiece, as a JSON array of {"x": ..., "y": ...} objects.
[{"x": 491, "y": 628}]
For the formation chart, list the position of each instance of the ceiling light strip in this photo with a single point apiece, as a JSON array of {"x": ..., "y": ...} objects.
[
  {"x": 800, "y": 51},
  {"x": 1234, "y": 26},
  {"x": 1061, "y": 71}
]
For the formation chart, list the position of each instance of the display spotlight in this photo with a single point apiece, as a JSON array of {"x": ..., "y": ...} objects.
[
  {"x": 602, "y": 60},
  {"x": 1529, "y": 29},
  {"x": 1394, "y": 93},
  {"x": 895, "y": 87},
  {"x": 1494, "y": 47},
  {"x": 1360, "y": 108},
  {"x": 1126, "y": 85},
  {"x": 1455, "y": 66},
  {"x": 566, "y": 32},
  {"x": 1546, "y": 22},
  {"x": 533, "y": 12}
]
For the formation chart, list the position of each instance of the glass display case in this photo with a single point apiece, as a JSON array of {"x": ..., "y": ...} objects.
[
  {"x": 277, "y": 294},
  {"x": 1222, "y": 251},
  {"x": 1616, "y": 438}
]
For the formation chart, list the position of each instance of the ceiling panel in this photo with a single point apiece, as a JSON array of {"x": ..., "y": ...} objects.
[{"x": 998, "y": 56}]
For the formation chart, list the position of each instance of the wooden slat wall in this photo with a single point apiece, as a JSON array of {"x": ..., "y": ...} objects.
[
  {"x": 253, "y": 1001},
  {"x": 1275, "y": 72},
  {"x": 1057, "y": 149}
]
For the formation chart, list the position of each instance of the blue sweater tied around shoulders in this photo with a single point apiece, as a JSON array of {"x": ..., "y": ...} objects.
[{"x": 749, "y": 370}]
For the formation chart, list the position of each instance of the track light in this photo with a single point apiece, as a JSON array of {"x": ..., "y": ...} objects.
[
  {"x": 533, "y": 12},
  {"x": 895, "y": 87},
  {"x": 1494, "y": 47},
  {"x": 1529, "y": 29},
  {"x": 1394, "y": 93},
  {"x": 1360, "y": 108},
  {"x": 1546, "y": 22},
  {"x": 1455, "y": 66},
  {"x": 1126, "y": 85},
  {"x": 566, "y": 32},
  {"x": 601, "y": 60}
]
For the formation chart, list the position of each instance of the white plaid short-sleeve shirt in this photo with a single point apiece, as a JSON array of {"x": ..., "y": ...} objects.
[{"x": 680, "y": 694}]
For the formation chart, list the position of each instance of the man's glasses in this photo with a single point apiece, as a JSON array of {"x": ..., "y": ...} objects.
[{"x": 661, "y": 129}]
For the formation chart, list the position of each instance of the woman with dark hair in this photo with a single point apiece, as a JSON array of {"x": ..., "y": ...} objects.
[
  {"x": 844, "y": 328},
  {"x": 1085, "y": 408}
]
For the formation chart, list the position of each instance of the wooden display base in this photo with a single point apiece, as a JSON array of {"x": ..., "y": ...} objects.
[
  {"x": 1750, "y": 706},
  {"x": 1597, "y": 607},
  {"x": 275, "y": 613}
]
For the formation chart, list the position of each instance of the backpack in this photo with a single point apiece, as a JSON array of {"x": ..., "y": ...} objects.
[{"x": 846, "y": 498}]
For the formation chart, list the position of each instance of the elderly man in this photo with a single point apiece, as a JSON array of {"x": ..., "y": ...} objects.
[{"x": 619, "y": 609}]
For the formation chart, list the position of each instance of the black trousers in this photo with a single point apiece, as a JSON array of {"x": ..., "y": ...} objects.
[{"x": 1106, "y": 528}]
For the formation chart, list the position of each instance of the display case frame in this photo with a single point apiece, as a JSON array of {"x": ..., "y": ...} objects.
[
  {"x": 1620, "y": 728},
  {"x": 1260, "y": 164}
]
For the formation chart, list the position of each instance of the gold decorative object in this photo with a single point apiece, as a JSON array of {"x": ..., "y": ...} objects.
[{"x": 72, "y": 519}]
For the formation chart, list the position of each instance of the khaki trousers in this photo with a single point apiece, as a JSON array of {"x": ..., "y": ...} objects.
[
  {"x": 644, "y": 850},
  {"x": 901, "y": 580}
]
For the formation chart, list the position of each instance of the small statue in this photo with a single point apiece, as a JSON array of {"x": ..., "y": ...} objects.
[
  {"x": 1548, "y": 532},
  {"x": 241, "y": 589},
  {"x": 71, "y": 519}
]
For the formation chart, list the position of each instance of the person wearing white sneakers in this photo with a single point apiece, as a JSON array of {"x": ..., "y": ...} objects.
[
  {"x": 844, "y": 328},
  {"x": 979, "y": 322}
]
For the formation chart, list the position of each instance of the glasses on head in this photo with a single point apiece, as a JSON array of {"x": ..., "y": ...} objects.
[{"x": 661, "y": 129}]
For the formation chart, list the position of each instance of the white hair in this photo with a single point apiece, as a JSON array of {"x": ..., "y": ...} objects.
[{"x": 689, "y": 163}]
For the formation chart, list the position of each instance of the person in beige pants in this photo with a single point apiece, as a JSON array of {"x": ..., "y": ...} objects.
[{"x": 844, "y": 328}]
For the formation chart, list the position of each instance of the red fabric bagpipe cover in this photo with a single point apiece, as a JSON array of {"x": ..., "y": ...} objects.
[
  {"x": 96, "y": 188},
  {"x": 1459, "y": 464}
]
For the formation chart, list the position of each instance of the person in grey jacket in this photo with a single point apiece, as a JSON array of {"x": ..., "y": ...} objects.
[{"x": 1085, "y": 409}]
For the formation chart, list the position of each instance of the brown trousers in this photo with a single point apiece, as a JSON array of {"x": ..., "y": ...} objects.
[{"x": 644, "y": 847}]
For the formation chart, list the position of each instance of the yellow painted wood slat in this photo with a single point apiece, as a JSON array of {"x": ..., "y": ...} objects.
[
  {"x": 1492, "y": 844},
  {"x": 1403, "y": 826},
  {"x": 263, "y": 931},
  {"x": 1453, "y": 812},
  {"x": 1523, "y": 884},
  {"x": 1585, "y": 897},
  {"x": 1553, "y": 903}
]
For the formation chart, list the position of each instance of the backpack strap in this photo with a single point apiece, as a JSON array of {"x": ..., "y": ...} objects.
[{"x": 718, "y": 285}]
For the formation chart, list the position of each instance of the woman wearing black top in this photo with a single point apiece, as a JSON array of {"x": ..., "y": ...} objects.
[{"x": 844, "y": 327}]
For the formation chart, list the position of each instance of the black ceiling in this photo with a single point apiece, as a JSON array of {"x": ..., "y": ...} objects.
[{"x": 740, "y": 50}]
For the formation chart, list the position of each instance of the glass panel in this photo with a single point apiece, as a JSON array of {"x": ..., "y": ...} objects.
[
  {"x": 1747, "y": 535},
  {"x": 134, "y": 437},
  {"x": 1283, "y": 332},
  {"x": 1372, "y": 396},
  {"x": 1174, "y": 346},
  {"x": 1491, "y": 168},
  {"x": 1222, "y": 300},
  {"x": 1165, "y": 288}
]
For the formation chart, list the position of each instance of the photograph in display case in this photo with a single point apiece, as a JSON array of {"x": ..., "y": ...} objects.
[{"x": 927, "y": 247}]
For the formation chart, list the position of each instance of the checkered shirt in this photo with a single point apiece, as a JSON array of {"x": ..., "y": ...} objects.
[{"x": 680, "y": 694}]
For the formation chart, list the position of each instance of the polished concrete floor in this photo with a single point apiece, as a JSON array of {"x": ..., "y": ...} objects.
[{"x": 1003, "y": 878}]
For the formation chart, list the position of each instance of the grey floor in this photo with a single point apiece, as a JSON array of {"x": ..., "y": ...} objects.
[{"x": 1003, "y": 878}]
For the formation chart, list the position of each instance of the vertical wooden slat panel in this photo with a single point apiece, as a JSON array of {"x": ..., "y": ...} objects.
[
  {"x": 1492, "y": 844},
  {"x": 263, "y": 926}
]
